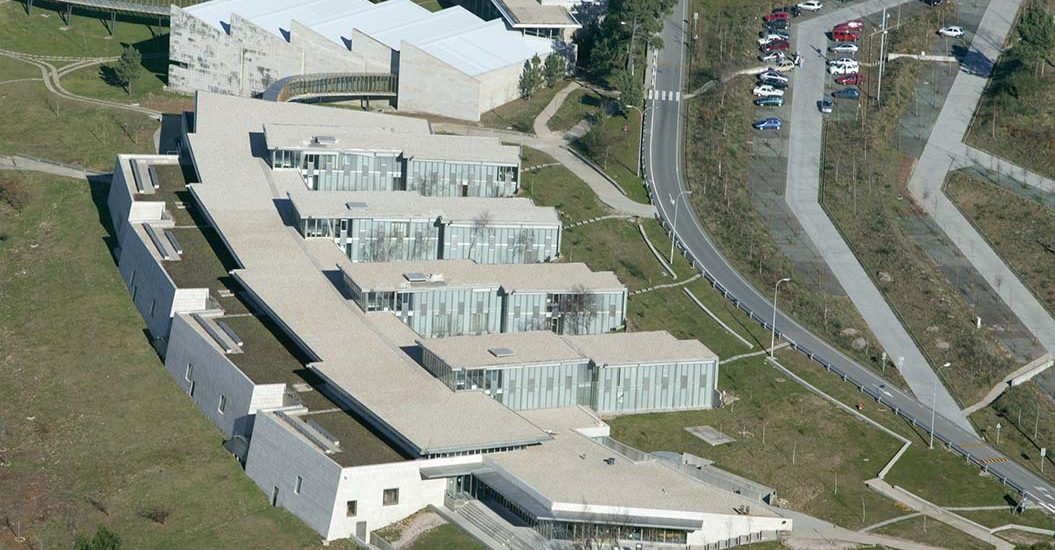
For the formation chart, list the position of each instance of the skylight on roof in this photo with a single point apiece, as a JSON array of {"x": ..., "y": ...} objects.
[{"x": 501, "y": 352}]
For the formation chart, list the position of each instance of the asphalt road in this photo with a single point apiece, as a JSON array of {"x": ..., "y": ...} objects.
[{"x": 663, "y": 162}]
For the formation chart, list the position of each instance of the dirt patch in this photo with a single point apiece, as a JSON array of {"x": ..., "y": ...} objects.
[{"x": 403, "y": 533}]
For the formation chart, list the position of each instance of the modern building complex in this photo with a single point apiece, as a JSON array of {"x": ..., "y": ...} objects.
[
  {"x": 609, "y": 373},
  {"x": 327, "y": 403},
  {"x": 351, "y": 159},
  {"x": 397, "y": 226},
  {"x": 449, "y": 63},
  {"x": 546, "y": 18},
  {"x": 451, "y": 298}
]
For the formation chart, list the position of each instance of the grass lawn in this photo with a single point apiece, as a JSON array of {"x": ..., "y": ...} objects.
[
  {"x": 863, "y": 191},
  {"x": 579, "y": 104},
  {"x": 520, "y": 114},
  {"x": 11, "y": 69},
  {"x": 558, "y": 187},
  {"x": 70, "y": 131},
  {"x": 997, "y": 518},
  {"x": 43, "y": 32},
  {"x": 815, "y": 455},
  {"x": 615, "y": 245},
  {"x": 91, "y": 81},
  {"x": 94, "y": 429},
  {"x": 1021, "y": 411},
  {"x": 936, "y": 534},
  {"x": 614, "y": 146},
  {"x": 1021, "y": 231},
  {"x": 945, "y": 478},
  {"x": 446, "y": 537}
]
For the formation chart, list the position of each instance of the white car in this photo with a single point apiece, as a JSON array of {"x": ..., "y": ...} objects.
[
  {"x": 843, "y": 69},
  {"x": 952, "y": 32},
  {"x": 843, "y": 62},
  {"x": 766, "y": 90},
  {"x": 844, "y": 47},
  {"x": 772, "y": 75},
  {"x": 766, "y": 39},
  {"x": 810, "y": 5}
]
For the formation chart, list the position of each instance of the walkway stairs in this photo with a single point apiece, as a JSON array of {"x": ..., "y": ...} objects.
[{"x": 477, "y": 518}]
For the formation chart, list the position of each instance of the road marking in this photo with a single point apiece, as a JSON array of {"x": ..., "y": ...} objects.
[{"x": 995, "y": 460}]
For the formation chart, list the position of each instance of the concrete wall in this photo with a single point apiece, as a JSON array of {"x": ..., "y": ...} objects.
[
  {"x": 656, "y": 387},
  {"x": 121, "y": 202},
  {"x": 206, "y": 58},
  {"x": 377, "y": 57},
  {"x": 322, "y": 55},
  {"x": 213, "y": 375},
  {"x": 498, "y": 87},
  {"x": 428, "y": 85},
  {"x": 265, "y": 57},
  {"x": 152, "y": 291},
  {"x": 366, "y": 485},
  {"x": 277, "y": 456}
]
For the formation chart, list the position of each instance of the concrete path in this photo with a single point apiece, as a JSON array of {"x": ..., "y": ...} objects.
[
  {"x": 811, "y": 533},
  {"x": 540, "y": 124},
  {"x": 996, "y": 164},
  {"x": 891, "y": 521},
  {"x": 27, "y": 164},
  {"x": 803, "y": 194},
  {"x": 1023, "y": 374},
  {"x": 555, "y": 147},
  {"x": 944, "y": 151},
  {"x": 934, "y": 511}
]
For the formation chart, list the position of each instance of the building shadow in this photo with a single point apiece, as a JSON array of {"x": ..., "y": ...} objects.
[{"x": 100, "y": 190}]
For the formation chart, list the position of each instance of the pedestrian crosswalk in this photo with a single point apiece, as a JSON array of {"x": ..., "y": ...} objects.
[{"x": 663, "y": 95}]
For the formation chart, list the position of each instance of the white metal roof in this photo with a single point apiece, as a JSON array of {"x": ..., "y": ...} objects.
[{"x": 453, "y": 35}]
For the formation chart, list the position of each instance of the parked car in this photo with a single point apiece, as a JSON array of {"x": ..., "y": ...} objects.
[
  {"x": 825, "y": 105},
  {"x": 778, "y": 25},
  {"x": 776, "y": 45},
  {"x": 810, "y": 5},
  {"x": 795, "y": 11},
  {"x": 771, "y": 123},
  {"x": 844, "y": 47},
  {"x": 765, "y": 90},
  {"x": 775, "y": 16},
  {"x": 771, "y": 74},
  {"x": 933, "y": 3},
  {"x": 776, "y": 84},
  {"x": 851, "y": 25},
  {"x": 769, "y": 101},
  {"x": 843, "y": 69},
  {"x": 771, "y": 37},
  {"x": 783, "y": 35},
  {"x": 845, "y": 36},
  {"x": 785, "y": 65},
  {"x": 777, "y": 56},
  {"x": 847, "y": 93},
  {"x": 952, "y": 32},
  {"x": 855, "y": 79},
  {"x": 844, "y": 61}
]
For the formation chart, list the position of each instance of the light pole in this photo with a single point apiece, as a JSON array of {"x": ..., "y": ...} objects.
[
  {"x": 641, "y": 144},
  {"x": 773, "y": 325},
  {"x": 674, "y": 228},
  {"x": 934, "y": 404}
]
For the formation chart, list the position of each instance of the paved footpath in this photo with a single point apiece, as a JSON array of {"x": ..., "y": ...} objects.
[
  {"x": 803, "y": 194},
  {"x": 944, "y": 151},
  {"x": 988, "y": 160}
]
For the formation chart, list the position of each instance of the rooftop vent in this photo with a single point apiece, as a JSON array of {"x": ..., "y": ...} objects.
[
  {"x": 416, "y": 277},
  {"x": 355, "y": 205},
  {"x": 324, "y": 140},
  {"x": 501, "y": 352}
]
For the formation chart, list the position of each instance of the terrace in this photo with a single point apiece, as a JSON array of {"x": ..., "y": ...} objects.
[
  {"x": 359, "y": 446},
  {"x": 205, "y": 263}
]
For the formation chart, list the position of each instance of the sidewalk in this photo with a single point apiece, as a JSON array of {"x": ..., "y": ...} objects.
[{"x": 934, "y": 511}]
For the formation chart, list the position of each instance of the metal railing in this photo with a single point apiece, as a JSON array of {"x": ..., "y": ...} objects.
[
  {"x": 873, "y": 393},
  {"x": 317, "y": 85}
]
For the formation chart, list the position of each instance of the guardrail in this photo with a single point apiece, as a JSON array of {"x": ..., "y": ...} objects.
[
  {"x": 846, "y": 377},
  {"x": 303, "y": 86}
]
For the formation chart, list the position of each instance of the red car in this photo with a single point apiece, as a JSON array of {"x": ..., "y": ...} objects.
[
  {"x": 855, "y": 79},
  {"x": 852, "y": 25},
  {"x": 845, "y": 36},
  {"x": 776, "y": 45},
  {"x": 778, "y": 15}
]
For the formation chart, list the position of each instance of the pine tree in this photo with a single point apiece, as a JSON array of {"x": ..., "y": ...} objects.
[
  {"x": 129, "y": 67},
  {"x": 532, "y": 79},
  {"x": 555, "y": 68}
]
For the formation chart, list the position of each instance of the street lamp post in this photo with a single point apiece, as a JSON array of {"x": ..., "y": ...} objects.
[
  {"x": 674, "y": 228},
  {"x": 773, "y": 325},
  {"x": 934, "y": 404}
]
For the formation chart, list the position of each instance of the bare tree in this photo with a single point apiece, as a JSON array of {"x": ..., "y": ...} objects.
[
  {"x": 578, "y": 309},
  {"x": 385, "y": 246},
  {"x": 524, "y": 241},
  {"x": 481, "y": 228}
]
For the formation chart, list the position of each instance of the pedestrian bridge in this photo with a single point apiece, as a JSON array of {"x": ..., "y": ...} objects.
[
  {"x": 332, "y": 85},
  {"x": 157, "y": 8}
]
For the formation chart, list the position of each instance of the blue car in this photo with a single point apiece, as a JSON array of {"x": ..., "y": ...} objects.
[
  {"x": 847, "y": 93},
  {"x": 771, "y": 123}
]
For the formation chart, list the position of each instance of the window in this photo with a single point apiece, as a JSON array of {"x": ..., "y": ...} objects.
[
  {"x": 352, "y": 508},
  {"x": 223, "y": 403},
  {"x": 298, "y": 485},
  {"x": 390, "y": 497},
  {"x": 190, "y": 372}
]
